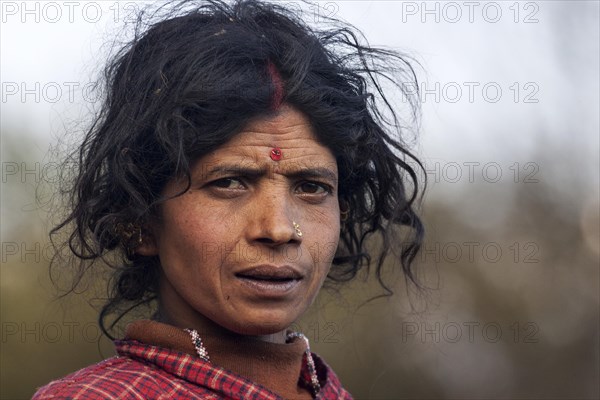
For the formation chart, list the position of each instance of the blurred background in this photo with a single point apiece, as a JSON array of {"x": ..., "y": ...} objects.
[{"x": 510, "y": 138}]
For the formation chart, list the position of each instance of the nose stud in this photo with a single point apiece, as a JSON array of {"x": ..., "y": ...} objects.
[{"x": 297, "y": 228}]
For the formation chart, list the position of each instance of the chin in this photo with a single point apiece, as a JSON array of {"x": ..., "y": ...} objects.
[{"x": 263, "y": 324}]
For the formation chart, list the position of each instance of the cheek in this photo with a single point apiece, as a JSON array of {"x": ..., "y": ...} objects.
[
  {"x": 324, "y": 246},
  {"x": 328, "y": 228},
  {"x": 192, "y": 255},
  {"x": 190, "y": 238}
]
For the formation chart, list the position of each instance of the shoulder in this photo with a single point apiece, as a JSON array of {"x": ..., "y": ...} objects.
[
  {"x": 331, "y": 387},
  {"x": 108, "y": 379},
  {"x": 80, "y": 383},
  {"x": 140, "y": 372},
  {"x": 118, "y": 377}
]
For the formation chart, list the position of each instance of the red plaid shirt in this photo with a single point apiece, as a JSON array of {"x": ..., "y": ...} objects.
[{"x": 141, "y": 371}]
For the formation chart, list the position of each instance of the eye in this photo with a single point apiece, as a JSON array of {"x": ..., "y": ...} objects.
[
  {"x": 314, "y": 188},
  {"x": 228, "y": 183}
]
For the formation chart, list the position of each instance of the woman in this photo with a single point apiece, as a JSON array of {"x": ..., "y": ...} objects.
[{"x": 238, "y": 161}]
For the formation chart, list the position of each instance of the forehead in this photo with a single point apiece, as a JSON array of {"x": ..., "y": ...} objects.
[{"x": 289, "y": 130}]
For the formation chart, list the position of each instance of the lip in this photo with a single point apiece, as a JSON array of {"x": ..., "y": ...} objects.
[
  {"x": 270, "y": 281},
  {"x": 270, "y": 272}
]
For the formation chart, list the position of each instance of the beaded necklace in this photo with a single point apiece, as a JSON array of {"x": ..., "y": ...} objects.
[{"x": 314, "y": 381}]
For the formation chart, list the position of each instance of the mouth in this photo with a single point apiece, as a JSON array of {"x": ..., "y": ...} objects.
[
  {"x": 269, "y": 280},
  {"x": 270, "y": 273}
]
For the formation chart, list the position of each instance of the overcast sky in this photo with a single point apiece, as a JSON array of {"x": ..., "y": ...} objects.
[{"x": 499, "y": 79}]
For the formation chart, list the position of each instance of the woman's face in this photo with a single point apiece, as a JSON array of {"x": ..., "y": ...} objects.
[{"x": 249, "y": 245}]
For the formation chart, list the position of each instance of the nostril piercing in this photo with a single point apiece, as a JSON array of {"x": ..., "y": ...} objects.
[{"x": 297, "y": 228}]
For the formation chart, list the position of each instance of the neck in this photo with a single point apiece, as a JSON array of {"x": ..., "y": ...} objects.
[
  {"x": 275, "y": 366},
  {"x": 180, "y": 315}
]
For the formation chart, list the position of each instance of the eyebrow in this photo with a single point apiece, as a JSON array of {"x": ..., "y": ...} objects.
[
  {"x": 305, "y": 173},
  {"x": 316, "y": 172}
]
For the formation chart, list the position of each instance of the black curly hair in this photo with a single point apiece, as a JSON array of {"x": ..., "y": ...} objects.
[{"x": 188, "y": 82}]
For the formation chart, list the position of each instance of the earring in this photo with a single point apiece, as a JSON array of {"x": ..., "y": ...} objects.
[
  {"x": 344, "y": 215},
  {"x": 344, "y": 212},
  {"x": 131, "y": 236},
  {"x": 297, "y": 228}
]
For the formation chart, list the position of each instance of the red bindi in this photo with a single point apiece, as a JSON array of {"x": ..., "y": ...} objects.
[{"x": 276, "y": 154}]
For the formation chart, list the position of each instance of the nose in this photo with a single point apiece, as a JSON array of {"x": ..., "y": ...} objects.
[{"x": 271, "y": 221}]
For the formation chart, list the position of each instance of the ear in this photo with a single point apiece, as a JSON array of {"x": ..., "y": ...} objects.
[{"x": 149, "y": 244}]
